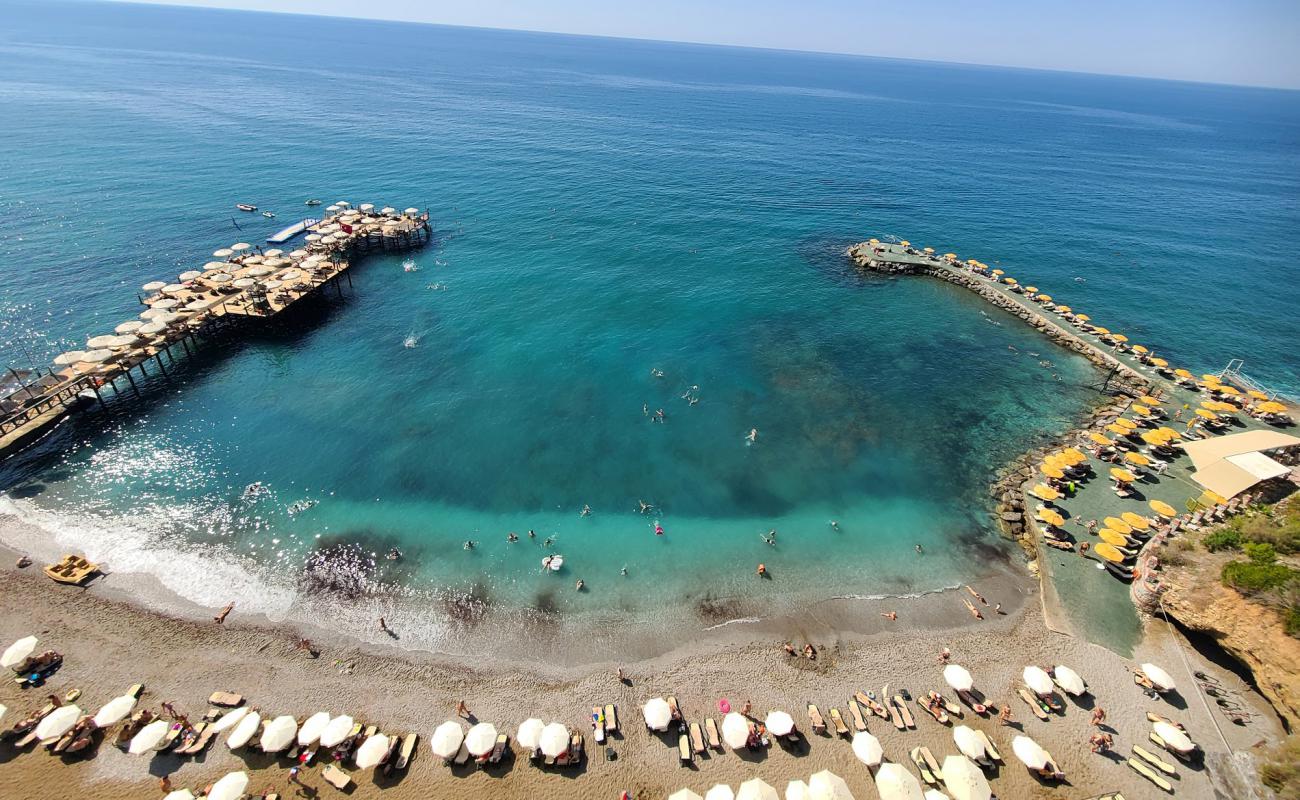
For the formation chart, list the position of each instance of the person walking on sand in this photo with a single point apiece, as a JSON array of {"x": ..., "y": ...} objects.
[
  {"x": 223, "y": 613},
  {"x": 1004, "y": 715},
  {"x": 461, "y": 709},
  {"x": 746, "y": 708},
  {"x": 165, "y": 784},
  {"x": 762, "y": 570},
  {"x": 1098, "y": 716},
  {"x": 383, "y": 626},
  {"x": 945, "y": 655}
]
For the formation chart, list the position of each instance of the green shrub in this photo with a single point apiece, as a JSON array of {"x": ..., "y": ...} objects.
[
  {"x": 1280, "y": 528},
  {"x": 1261, "y": 553},
  {"x": 1222, "y": 539},
  {"x": 1291, "y": 621},
  {"x": 1250, "y": 577},
  {"x": 1281, "y": 770}
]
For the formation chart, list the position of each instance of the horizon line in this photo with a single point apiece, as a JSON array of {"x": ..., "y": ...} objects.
[{"x": 696, "y": 43}]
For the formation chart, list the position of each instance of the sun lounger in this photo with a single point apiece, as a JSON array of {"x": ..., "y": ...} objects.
[
  {"x": 336, "y": 777},
  {"x": 937, "y": 711},
  {"x": 971, "y": 700},
  {"x": 926, "y": 765},
  {"x": 226, "y": 699},
  {"x": 1154, "y": 760},
  {"x": 462, "y": 756},
  {"x": 191, "y": 743},
  {"x": 815, "y": 717},
  {"x": 988, "y": 745},
  {"x": 1032, "y": 702},
  {"x": 1142, "y": 769},
  {"x": 598, "y": 723},
  {"x": 611, "y": 718},
  {"x": 855, "y": 714},
  {"x": 576, "y": 745},
  {"x": 837, "y": 720},
  {"x": 711, "y": 731},
  {"x": 404, "y": 752},
  {"x": 499, "y": 749},
  {"x": 697, "y": 738},
  {"x": 901, "y": 708},
  {"x": 684, "y": 750}
]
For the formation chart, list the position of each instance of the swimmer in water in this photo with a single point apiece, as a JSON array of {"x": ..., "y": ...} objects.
[
  {"x": 550, "y": 540},
  {"x": 531, "y": 535},
  {"x": 623, "y": 571},
  {"x": 646, "y": 508},
  {"x": 586, "y": 511},
  {"x": 752, "y": 436},
  {"x": 919, "y": 550},
  {"x": 580, "y": 585},
  {"x": 835, "y": 526},
  {"x": 511, "y": 537},
  {"x": 394, "y": 554},
  {"x": 659, "y": 529},
  {"x": 469, "y": 545},
  {"x": 655, "y": 372}
]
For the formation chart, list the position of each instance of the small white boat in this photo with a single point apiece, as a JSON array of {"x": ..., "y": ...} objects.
[
  {"x": 245, "y": 207},
  {"x": 269, "y": 214},
  {"x": 313, "y": 202}
]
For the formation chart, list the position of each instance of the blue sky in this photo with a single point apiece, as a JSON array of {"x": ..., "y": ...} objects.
[{"x": 1250, "y": 42}]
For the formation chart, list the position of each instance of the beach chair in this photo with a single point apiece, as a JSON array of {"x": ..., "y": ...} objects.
[
  {"x": 576, "y": 746},
  {"x": 837, "y": 720},
  {"x": 900, "y": 707},
  {"x": 611, "y": 718},
  {"x": 697, "y": 738},
  {"x": 1142, "y": 769},
  {"x": 1032, "y": 702},
  {"x": 226, "y": 699},
  {"x": 711, "y": 731},
  {"x": 855, "y": 714},
  {"x": 988, "y": 745},
  {"x": 462, "y": 756},
  {"x": 598, "y": 723},
  {"x": 1154, "y": 760},
  {"x": 923, "y": 765},
  {"x": 499, "y": 749},
  {"x": 684, "y": 754},
  {"x": 673, "y": 708},
  {"x": 815, "y": 717},
  {"x": 407, "y": 749},
  {"x": 336, "y": 777}
]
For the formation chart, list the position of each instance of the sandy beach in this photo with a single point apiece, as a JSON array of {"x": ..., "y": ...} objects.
[{"x": 110, "y": 643}]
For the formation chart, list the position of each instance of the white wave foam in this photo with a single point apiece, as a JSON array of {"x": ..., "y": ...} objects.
[
  {"x": 737, "y": 621},
  {"x": 903, "y": 596}
]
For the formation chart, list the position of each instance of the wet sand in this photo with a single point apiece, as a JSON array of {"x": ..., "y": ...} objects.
[{"x": 110, "y": 643}]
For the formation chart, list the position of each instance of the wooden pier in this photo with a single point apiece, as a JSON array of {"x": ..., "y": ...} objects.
[{"x": 245, "y": 286}]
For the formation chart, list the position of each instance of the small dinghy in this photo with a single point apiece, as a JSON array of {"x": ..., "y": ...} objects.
[
  {"x": 245, "y": 207},
  {"x": 269, "y": 214},
  {"x": 313, "y": 202}
]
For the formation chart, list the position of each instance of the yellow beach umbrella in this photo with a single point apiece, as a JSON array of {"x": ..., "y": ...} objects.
[
  {"x": 1111, "y": 537},
  {"x": 1054, "y": 460},
  {"x": 905, "y": 243},
  {"x": 1203, "y": 414},
  {"x": 1170, "y": 432},
  {"x": 1137, "y": 458},
  {"x": 1211, "y": 378},
  {"x": 928, "y": 250},
  {"x": 1113, "y": 428},
  {"x": 873, "y": 241},
  {"x": 1162, "y": 508},
  {"x": 1082, "y": 317},
  {"x": 1139, "y": 522},
  {"x": 1138, "y": 408},
  {"x": 999, "y": 272},
  {"x": 1224, "y": 389},
  {"x": 1119, "y": 337},
  {"x": 1009, "y": 281},
  {"x": 1257, "y": 394},
  {"x": 1182, "y": 373},
  {"x": 950, "y": 256},
  {"x": 1159, "y": 362},
  {"x": 1044, "y": 492},
  {"x": 1100, "y": 331},
  {"x": 1125, "y": 422},
  {"x": 1154, "y": 437},
  {"x": 1052, "y": 472},
  {"x": 972, "y": 262},
  {"x": 1075, "y": 453},
  {"x": 1118, "y": 525},
  {"x": 1137, "y": 348},
  {"x": 1108, "y": 552},
  {"x": 1031, "y": 289},
  {"x": 1122, "y": 475},
  {"x": 1271, "y": 407},
  {"x": 1064, "y": 309},
  {"x": 1209, "y": 498},
  {"x": 1045, "y": 298},
  {"x": 1099, "y": 439},
  {"x": 1149, "y": 400},
  {"x": 1051, "y": 517}
]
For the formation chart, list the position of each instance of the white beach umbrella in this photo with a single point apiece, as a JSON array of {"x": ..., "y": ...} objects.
[
  {"x": 229, "y": 720},
  {"x": 3, "y": 709},
  {"x": 240, "y": 247},
  {"x": 114, "y": 710},
  {"x": 243, "y": 283},
  {"x": 720, "y": 791},
  {"x": 826, "y": 785},
  {"x": 189, "y": 275},
  {"x": 1029, "y": 753},
  {"x": 224, "y": 252},
  {"x": 411, "y": 212},
  {"x": 481, "y": 739},
  {"x": 179, "y": 794},
  {"x": 530, "y": 733},
  {"x": 211, "y": 265},
  {"x": 735, "y": 730},
  {"x": 243, "y": 732},
  {"x": 366, "y": 207},
  {"x": 167, "y": 303},
  {"x": 230, "y": 787},
  {"x": 273, "y": 253},
  {"x": 964, "y": 779},
  {"x": 797, "y": 790},
  {"x": 196, "y": 305},
  {"x": 684, "y": 794},
  {"x": 258, "y": 272},
  {"x": 148, "y": 737},
  {"x": 123, "y": 340},
  {"x": 331, "y": 208},
  {"x": 57, "y": 722},
  {"x": 779, "y": 723},
  {"x": 16, "y": 653},
  {"x": 958, "y": 677},
  {"x": 173, "y": 288},
  {"x": 313, "y": 237},
  {"x": 446, "y": 739},
  {"x": 1037, "y": 679},
  {"x": 70, "y": 357},
  {"x": 387, "y": 210},
  {"x": 313, "y": 727},
  {"x": 336, "y": 731},
  {"x": 372, "y": 751},
  {"x": 253, "y": 259},
  {"x": 99, "y": 341},
  {"x": 342, "y": 203},
  {"x": 935, "y": 794},
  {"x": 279, "y": 733},
  {"x": 298, "y": 254},
  {"x": 1171, "y": 735},
  {"x": 153, "y": 286},
  {"x": 554, "y": 740},
  {"x": 153, "y": 328},
  {"x": 1069, "y": 680},
  {"x": 218, "y": 277},
  {"x": 895, "y": 783},
  {"x": 96, "y": 356},
  {"x": 130, "y": 326},
  {"x": 756, "y": 789},
  {"x": 149, "y": 313},
  {"x": 1159, "y": 677},
  {"x": 867, "y": 748},
  {"x": 968, "y": 743},
  {"x": 657, "y": 714}
]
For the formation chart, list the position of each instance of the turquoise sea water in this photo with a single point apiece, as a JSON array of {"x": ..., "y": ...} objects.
[{"x": 602, "y": 209}]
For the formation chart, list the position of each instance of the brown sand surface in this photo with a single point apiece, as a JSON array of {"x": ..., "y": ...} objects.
[{"x": 110, "y": 644}]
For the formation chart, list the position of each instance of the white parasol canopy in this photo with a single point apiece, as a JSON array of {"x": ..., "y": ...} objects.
[
  {"x": 1069, "y": 680},
  {"x": 336, "y": 731},
  {"x": 153, "y": 286},
  {"x": 867, "y": 748},
  {"x": 189, "y": 275},
  {"x": 211, "y": 265},
  {"x": 196, "y": 305},
  {"x": 968, "y": 743},
  {"x": 114, "y": 710},
  {"x": 173, "y": 288},
  {"x": 244, "y": 731},
  {"x": 1029, "y": 753},
  {"x": 735, "y": 730},
  {"x": 100, "y": 341},
  {"x": 130, "y": 326},
  {"x": 895, "y": 783},
  {"x": 554, "y": 740},
  {"x": 684, "y": 794},
  {"x": 372, "y": 751},
  {"x": 530, "y": 733},
  {"x": 958, "y": 677},
  {"x": 964, "y": 779},
  {"x": 797, "y": 790},
  {"x": 57, "y": 722},
  {"x": 148, "y": 737},
  {"x": 273, "y": 253},
  {"x": 122, "y": 340},
  {"x": 70, "y": 357},
  {"x": 167, "y": 303},
  {"x": 1173, "y": 737},
  {"x": 657, "y": 714},
  {"x": 387, "y": 210},
  {"x": 313, "y": 237},
  {"x": 279, "y": 733},
  {"x": 756, "y": 789},
  {"x": 97, "y": 356},
  {"x": 230, "y": 787},
  {"x": 229, "y": 720},
  {"x": 243, "y": 283},
  {"x": 1159, "y": 677},
  {"x": 218, "y": 277},
  {"x": 224, "y": 252},
  {"x": 313, "y": 727},
  {"x": 447, "y": 738},
  {"x": 411, "y": 212},
  {"x": 179, "y": 794},
  {"x": 779, "y": 723},
  {"x": 826, "y": 785},
  {"x": 18, "y": 652},
  {"x": 366, "y": 207},
  {"x": 935, "y": 794},
  {"x": 720, "y": 791},
  {"x": 481, "y": 739},
  {"x": 152, "y": 328},
  {"x": 1037, "y": 679},
  {"x": 240, "y": 247}
]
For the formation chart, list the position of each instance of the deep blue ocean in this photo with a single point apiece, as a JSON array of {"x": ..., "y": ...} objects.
[{"x": 604, "y": 211}]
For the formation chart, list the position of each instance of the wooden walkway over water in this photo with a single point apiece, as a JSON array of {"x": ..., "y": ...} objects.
[{"x": 246, "y": 286}]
